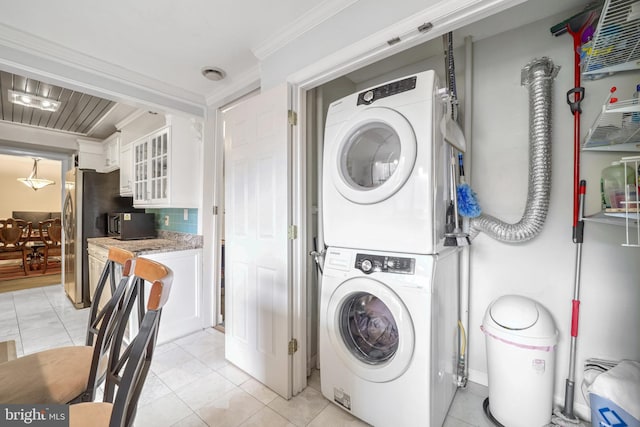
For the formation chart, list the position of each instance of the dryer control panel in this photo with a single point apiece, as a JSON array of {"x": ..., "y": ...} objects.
[
  {"x": 390, "y": 89},
  {"x": 368, "y": 264}
]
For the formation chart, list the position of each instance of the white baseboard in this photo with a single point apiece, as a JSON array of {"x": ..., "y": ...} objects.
[
  {"x": 478, "y": 377},
  {"x": 580, "y": 409}
]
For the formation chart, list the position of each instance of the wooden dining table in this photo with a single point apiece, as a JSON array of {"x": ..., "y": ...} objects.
[{"x": 35, "y": 242}]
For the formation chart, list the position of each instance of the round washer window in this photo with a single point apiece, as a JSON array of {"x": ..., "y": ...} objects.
[
  {"x": 371, "y": 155},
  {"x": 368, "y": 328}
]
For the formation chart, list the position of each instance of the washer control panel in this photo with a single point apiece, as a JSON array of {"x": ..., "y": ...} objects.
[
  {"x": 390, "y": 89},
  {"x": 368, "y": 264}
]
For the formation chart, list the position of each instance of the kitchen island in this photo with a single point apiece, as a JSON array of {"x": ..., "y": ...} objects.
[{"x": 182, "y": 253}]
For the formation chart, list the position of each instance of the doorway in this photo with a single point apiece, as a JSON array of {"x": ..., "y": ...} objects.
[
  {"x": 220, "y": 285},
  {"x": 33, "y": 206}
]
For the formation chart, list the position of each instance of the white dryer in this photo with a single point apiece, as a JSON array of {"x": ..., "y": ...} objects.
[
  {"x": 385, "y": 168},
  {"x": 388, "y": 335}
]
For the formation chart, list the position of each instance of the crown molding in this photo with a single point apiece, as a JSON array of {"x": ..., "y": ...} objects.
[
  {"x": 306, "y": 22},
  {"x": 445, "y": 16},
  {"x": 248, "y": 80},
  {"x": 33, "y": 54},
  {"x": 130, "y": 118}
]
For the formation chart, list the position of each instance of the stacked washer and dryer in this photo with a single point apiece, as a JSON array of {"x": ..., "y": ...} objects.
[{"x": 389, "y": 298}]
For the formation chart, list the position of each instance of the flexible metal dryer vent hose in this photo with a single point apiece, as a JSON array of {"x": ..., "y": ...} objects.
[{"x": 538, "y": 76}]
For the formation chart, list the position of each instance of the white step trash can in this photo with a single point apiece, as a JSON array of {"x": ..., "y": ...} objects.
[{"x": 521, "y": 339}]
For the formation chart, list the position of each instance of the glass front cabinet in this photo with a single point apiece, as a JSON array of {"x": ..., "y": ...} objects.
[
  {"x": 151, "y": 168},
  {"x": 166, "y": 167}
]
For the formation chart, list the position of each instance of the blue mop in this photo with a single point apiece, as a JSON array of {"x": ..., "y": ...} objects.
[{"x": 467, "y": 200}]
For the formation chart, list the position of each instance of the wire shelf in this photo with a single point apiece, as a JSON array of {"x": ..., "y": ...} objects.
[
  {"x": 616, "y": 43},
  {"x": 617, "y": 128},
  {"x": 631, "y": 203}
]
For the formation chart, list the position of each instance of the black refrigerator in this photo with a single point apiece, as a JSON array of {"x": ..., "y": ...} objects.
[{"x": 89, "y": 197}]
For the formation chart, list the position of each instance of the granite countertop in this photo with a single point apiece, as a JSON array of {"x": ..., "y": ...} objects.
[{"x": 166, "y": 242}]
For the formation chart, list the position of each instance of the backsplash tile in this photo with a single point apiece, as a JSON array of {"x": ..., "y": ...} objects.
[{"x": 176, "y": 219}]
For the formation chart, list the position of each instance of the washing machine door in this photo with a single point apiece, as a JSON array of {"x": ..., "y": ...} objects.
[
  {"x": 371, "y": 329},
  {"x": 373, "y": 155}
]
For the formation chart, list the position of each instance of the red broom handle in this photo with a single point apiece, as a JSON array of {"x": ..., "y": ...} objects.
[{"x": 576, "y": 128}]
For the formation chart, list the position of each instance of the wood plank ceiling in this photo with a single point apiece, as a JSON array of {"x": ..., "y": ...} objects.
[{"x": 79, "y": 112}]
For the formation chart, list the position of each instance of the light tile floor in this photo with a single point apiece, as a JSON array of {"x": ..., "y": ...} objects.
[{"x": 191, "y": 383}]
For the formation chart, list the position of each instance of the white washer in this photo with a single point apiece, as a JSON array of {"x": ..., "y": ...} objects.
[
  {"x": 388, "y": 335},
  {"x": 384, "y": 174}
]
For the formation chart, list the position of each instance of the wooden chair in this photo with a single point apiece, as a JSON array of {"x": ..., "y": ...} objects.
[
  {"x": 51, "y": 235},
  {"x": 128, "y": 369},
  {"x": 71, "y": 374},
  {"x": 14, "y": 234}
]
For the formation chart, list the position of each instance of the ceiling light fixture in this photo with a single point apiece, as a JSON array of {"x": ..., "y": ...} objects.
[
  {"x": 33, "y": 181},
  {"x": 213, "y": 73},
  {"x": 33, "y": 101}
]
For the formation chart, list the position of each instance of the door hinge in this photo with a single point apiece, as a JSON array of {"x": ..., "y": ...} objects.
[
  {"x": 292, "y": 232},
  {"x": 293, "y": 118},
  {"x": 293, "y": 346},
  {"x": 215, "y": 210}
]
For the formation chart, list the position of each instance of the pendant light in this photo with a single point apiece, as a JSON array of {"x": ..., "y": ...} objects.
[{"x": 33, "y": 181}]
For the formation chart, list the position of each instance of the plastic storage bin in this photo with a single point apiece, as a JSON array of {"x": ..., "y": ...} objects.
[
  {"x": 605, "y": 413},
  {"x": 521, "y": 339},
  {"x": 613, "y": 183},
  {"x": 614, "y": 396}
]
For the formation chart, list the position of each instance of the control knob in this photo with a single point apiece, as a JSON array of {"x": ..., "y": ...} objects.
[
  {"x": 368, "y": 96},
  {"x": 366, "y": 265}
]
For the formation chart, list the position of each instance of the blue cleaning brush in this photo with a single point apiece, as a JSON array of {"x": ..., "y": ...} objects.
[{"x": 467, "y": 200}]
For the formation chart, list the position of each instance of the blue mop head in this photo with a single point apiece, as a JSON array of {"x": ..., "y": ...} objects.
[{"x": 467, "y": 201}]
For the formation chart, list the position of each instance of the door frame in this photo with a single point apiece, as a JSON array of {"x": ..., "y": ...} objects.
[{"x": 445, "y": 17}]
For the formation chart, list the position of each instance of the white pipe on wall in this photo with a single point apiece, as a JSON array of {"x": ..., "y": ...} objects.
[
  {"x": 465, "y": 255},
  {"x": 320, "y": 238}
]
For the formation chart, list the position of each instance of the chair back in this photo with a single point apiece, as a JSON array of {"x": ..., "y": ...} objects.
[
  {"x": 103, "y": 321},
  {"x": 51, "y": 233},
  {"x": 128, "y": 369},
  {"x": 113, "y": 267},
  {"x": 14, "y": 234}
]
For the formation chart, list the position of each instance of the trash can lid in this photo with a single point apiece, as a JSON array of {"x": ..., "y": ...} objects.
[
  {"x": 514, "y": 312},
  {"x": 520, "y": 319}
]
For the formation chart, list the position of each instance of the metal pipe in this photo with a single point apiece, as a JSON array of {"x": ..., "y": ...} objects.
[
  {"x": 538, "y": 76},
  {"x": 463, "y": 363}
]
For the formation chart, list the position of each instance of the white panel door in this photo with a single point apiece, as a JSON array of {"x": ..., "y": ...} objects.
[{"x": 257, "y": 294}]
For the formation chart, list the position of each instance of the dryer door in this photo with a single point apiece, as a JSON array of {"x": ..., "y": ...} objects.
[
  {"x": 373, "y": 155},
  {"x": 370, "y": 328}
]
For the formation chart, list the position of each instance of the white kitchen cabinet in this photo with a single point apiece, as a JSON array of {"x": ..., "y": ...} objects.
[
  {"x": 151, "y": 169},
  {"x": 111, "y": 153},
  {"x": 166, "y": 167},
  {"x": 182, "y": 314},
  {"x": 97, "y": 260},
  {"x": 90, "y": 155},
  {"x": 126, "y": 166},
  {"x": 98, "y": 257}
]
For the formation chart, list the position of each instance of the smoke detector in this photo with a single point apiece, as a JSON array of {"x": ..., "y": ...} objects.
[{"x": 213, "y": 73}]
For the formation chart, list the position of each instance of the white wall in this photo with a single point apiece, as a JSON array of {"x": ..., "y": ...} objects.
[
  {"x": 543, "y": 268},
  {"x": 16, "y": 196},
  {"x": 359, "y": 20}
]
